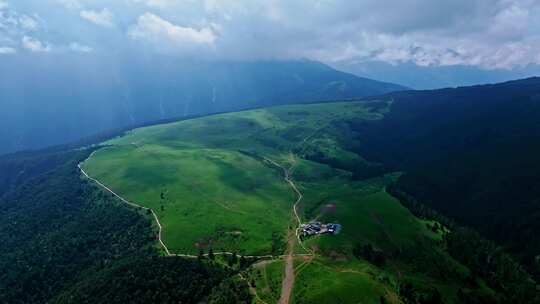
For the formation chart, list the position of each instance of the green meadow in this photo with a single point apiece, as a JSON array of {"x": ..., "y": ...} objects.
[
  {"x": 207, "y": 179},
  {"x": 217, "y": 182},
  {"x": 204, "y": 198}
]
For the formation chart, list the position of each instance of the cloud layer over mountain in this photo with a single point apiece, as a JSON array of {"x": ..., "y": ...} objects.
[{"x": 484, "y": 33}]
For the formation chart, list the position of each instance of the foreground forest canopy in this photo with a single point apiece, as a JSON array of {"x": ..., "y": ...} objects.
[{"x": 436, "y": 192}]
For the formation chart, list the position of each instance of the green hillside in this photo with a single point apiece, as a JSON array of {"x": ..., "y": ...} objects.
[
  {"x": 219, "y": 183},
  {"x": 472, "y": 154},
  {"x": 208, "y": 179}
]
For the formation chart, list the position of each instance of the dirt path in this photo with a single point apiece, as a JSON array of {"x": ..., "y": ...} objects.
[
  {"x": 299, "y": 195},
  {"x": 288, "y": 280}
]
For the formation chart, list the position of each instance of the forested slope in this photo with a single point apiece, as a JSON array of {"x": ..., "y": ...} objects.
[
  {"x": 65, "y": 241},
  {"x": 471, "y": 153}
]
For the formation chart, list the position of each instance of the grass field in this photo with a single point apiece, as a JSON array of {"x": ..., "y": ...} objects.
[
  {"x": 328, "y": 281},
  {"x": 206, "y": 178},
  {"x": 204, "y": 197},
  {"x": 211, "y": 184}
]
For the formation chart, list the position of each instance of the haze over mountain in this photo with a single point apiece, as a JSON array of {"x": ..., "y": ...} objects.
[
  {"x": 92, "y": 95},
  {"x": 435, "y": 77}
]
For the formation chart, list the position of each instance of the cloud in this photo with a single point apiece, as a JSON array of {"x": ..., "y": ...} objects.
[
  {"x": 166, "y": 35},
  {"x": 28, "y": 22},
  {"x": 4, "y": 50},
  {"x": 76, "y": 47},
  {"x": 156, "y": 3},
  {"x": 34, "y": 45},
  {"x": 70, "y": 4},
  {"x": 3, "y": 4},
  {"x": 489, "y": 34},
  {"x": 482, "y": 33},
  {"x": 102, "y": 18}
]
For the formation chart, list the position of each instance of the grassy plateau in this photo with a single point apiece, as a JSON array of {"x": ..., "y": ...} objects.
[{"x": 218, "y": 182}]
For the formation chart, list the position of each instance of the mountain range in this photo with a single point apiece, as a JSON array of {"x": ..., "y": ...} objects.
[{"x": 46, "y": 101}]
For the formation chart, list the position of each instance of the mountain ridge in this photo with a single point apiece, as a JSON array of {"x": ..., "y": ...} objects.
[{"x": 103, "y": 97}]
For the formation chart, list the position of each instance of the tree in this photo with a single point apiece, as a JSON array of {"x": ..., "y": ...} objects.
[
  {"x": 211, "y": 255},
  {"x": 233, "y": 259},
  {"x": 201, "y": 255},
  {"x": 243, "y": 261},
  {"x": 433, "y": 297},
  {"x": 460, "y": 295}
]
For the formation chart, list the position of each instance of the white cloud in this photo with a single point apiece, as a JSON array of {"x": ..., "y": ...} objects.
[
  {"x": 164, "y": 34},
  {"x": 485, "y": 33},
  {"x": 76, "y": 47},
  {"x": 70, "y": 4},
  {"x": 34, "y": 45},
  {"x": 28, "y": 23},
  {"x": 4, "y": 50},
  {"x": 156, "y": 3},
  {"x": 489, "y": 34},
  {"x": 102, "y": 18}
]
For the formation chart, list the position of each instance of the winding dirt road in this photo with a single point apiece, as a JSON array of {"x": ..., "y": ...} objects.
[{"x": 288, "y": 280}]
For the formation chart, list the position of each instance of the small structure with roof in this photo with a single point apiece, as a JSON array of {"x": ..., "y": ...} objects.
[{"x": 316, "y": 228}]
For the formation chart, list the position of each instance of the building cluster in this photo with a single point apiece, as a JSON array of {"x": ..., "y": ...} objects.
[{"x": 315, "y": 228}]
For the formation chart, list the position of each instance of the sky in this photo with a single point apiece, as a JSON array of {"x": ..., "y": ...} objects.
[{"x": 487, "y": 35}]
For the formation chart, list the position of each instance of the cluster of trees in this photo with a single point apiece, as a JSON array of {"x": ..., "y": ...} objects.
[
  {"x": 483, "y": 257},
  {"x": 231, "y": 291},
  {"x": 411, "y": 295},
  {"x": 370, "y": 254},
  {"x": 66, "y": 241},
  {"x": 232, "y": 260},
  {"x": 488, "y": 261},
  {"x": 151, "y": 279},
  {"x": 360, "y": 169}
]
